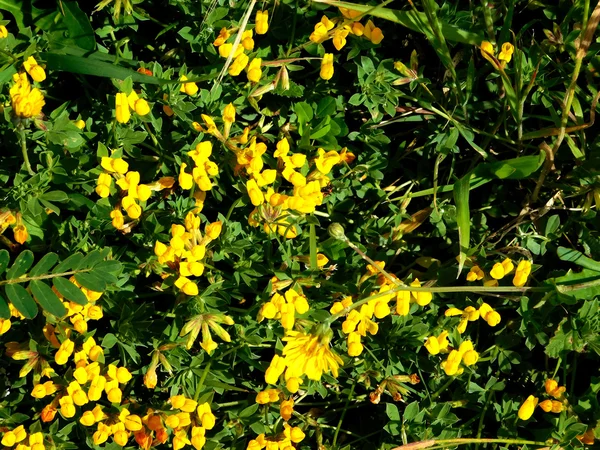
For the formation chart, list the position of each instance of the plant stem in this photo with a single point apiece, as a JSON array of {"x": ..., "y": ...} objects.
[
  {"x": 201, "y": 382},
  {"x": 42, "y": 277},
  {"x": 443, "y": 443},
  {"x": 23, "y": 140},
  {"x": 339, "y": 425}
]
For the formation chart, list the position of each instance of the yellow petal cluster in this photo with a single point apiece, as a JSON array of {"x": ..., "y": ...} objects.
[{"x": 285, "y": 307}]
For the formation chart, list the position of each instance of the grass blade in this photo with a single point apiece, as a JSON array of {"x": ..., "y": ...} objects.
[{"x": 463, "y": 218}]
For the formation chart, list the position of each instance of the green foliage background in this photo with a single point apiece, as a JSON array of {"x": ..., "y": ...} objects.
[{"x": 498, "y": 163}]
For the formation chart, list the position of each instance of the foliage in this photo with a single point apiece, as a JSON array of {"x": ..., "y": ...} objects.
[{"x": 299, "y": 225}]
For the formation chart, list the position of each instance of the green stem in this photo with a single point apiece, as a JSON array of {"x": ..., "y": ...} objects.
[
  {"x": 339, "y": 425},
  {"x": 437, "y": 393},
  {"x": 23, "y": 140},
  {"x": 444, "y": 443},
  {"x": 201, "y": 382},
  {"x": 42, "y": 277}
]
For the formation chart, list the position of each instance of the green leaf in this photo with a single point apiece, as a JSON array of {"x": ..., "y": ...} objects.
[
  {"x": 78, "y": 24},
  {"x": 4, "y": 309},
  {"x": 28, "y": 14},
  {"x": 111, "y": 266},
  {"x": 22, "y": 263},
  {"x": 69, "y": 263},
  {"x": 91, "y": 281},
  {"x": 512, "y": 169},
  {"x": 69, "y": 291},
  {"x": 91, "y": 66},
  {"x": 55, "y": 196},
  {"x": 304, "y": 112},
  {"x": 90, "y": 260},
  {"x": 313, "y": 247},
  {"x": 21, "y": 300},
  {"x": 568, "y": 284},
  {"x": 4, "y": 260},
  {"x": 392, "y": 411},
  {"x": 414, "y": 20},
  {"x": 47, "y": 298},
  {"x": 463, "y": 218},
  {"x": 576, "y": 257},
  {"x": 44, "y": 265}
]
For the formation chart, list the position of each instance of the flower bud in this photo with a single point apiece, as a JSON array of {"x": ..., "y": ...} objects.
[{"x": 336, "y": 231}]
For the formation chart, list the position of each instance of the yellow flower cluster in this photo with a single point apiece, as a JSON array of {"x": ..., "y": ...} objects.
[
  {"x": 502, "y": 58},
  {"x": 306, "y": 195},
  {"x": 267, "y": 396},
  {"x": 201, "y": 174},
  {"x": 26, "y": 102},
  {"x": 501, "y": 270},
  {"x": 7, "y": 219},
  {"x": 291, "y": 436},
  {"x": 346, "y": 25},
  {"x": 359, "y": 322},
  {"x": 556, "y": 404},
  {"x": 124, "y": 104},
  {"x": 241, "y": 60},
  {"x": 304, "y": 354},
  {"x": 465, "y": 354},
  {"x": 285, "y": 307},
  {"x": 187, "y": 248},
  {"x": 129, "y": 182},
  {"x": 18, "y": 436},
  {"x": 470, "y": 314},
  {"x": 79, "y": 315},
  {"x": 187, "y": 428}
]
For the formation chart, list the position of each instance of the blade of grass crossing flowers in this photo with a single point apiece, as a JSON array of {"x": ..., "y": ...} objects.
[
  {"x": 313, "y": 247},
  {"x": 413, "y": 20},
  {"x": 463, "y": 218}
]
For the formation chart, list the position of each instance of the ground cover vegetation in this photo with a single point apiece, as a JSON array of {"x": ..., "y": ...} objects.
[{"x": 314, "y": 225}]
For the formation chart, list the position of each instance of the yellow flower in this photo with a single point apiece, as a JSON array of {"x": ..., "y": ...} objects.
[
  {"x": 421, "y": 298},
  {"x": 321, "y": 30},
  {"x": 489, "y": 315},
  {"x": 310, "y": 355},
  {"x": 213, "y": 230},
  {"x": 67, "y": 408},
  {"x": 286, "y": 408},
  {"x": 527, "y": 408},
  {"x": 247, "y": 41},
  {"x": 475, "y": 274},
  {"x": 122, "y": 108},
  {"x": 254, "y": 70},
  {"x": 188, "y": 88},
  {"x": 139, "y": 105},
  {"x": 187, "y": 286},
  {"x": 26, "y": 102},
  {"x": 223, "y": 36},
  {"x": 64, "y": 352},
  {"x": 262, "y": 22},
  {"x": 373, "y": 33},
  {"x": 186, "y": 181},
  {"x": 79, "y": 124},
  {"x": 487, "y": 51},
  {"x": 256, "y": 195},
  {"x": 3, "y": 32},
  {"x": 339, "y": 37},
  {"x": 238, "y": 64},
  {"x": 21, "y": 234},
  {"x": 118, "y": 165},
  {"x": 497, "y": 271},
  {"x": 355, "y": 347},
  {"x": 327, "y": 66},
  {"x": 469, "y": 314},
  {"x": 34, "y": 69},
  {"x": 522, "y": 272},
  {"x": 470, "y": 357},
  {"x": 506, "y": 53},
  {"x": 546, "y": 405}
]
